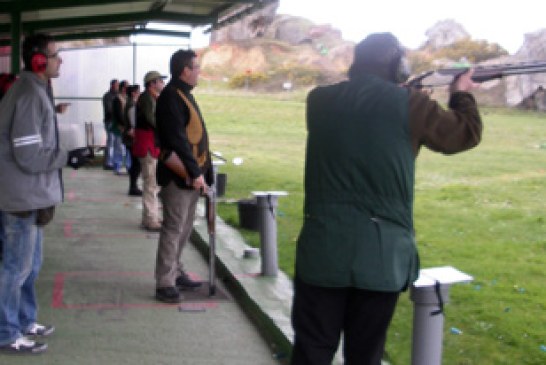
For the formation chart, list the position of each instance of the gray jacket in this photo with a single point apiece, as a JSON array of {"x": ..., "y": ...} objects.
[{"x": 30, "y": 156}]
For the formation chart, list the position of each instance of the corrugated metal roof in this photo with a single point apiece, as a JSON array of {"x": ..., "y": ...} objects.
[{"x": 82, "y": 19}]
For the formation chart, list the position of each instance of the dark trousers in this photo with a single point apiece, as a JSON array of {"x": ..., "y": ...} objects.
[
  {"x": 320, "y": 315},
  {"x": 134, "y": 170}
]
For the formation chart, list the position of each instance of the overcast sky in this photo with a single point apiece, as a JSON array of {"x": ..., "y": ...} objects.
[{"x": 494, "y": 21}]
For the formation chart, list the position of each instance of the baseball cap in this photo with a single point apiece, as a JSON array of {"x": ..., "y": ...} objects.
[{"x": 153, "y": 75}]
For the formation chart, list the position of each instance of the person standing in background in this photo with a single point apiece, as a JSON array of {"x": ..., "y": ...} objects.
[
  {"x": 133, "y": 92},
  {"x": 146, "y": 151},
  {"x": 108, "y": 108},
  {"x": 120, "y": 156}
]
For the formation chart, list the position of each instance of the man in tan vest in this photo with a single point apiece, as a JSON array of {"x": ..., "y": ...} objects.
[{"x": 181, "y": 132}]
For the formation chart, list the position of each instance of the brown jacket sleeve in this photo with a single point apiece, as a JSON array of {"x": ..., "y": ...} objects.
[{"x": 446, "y": 131}]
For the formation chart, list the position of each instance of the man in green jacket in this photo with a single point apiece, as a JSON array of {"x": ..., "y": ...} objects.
[{"x": 356, "y": 251}]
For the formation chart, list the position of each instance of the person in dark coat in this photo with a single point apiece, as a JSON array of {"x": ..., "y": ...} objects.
[{"x": 356, "y": 251}]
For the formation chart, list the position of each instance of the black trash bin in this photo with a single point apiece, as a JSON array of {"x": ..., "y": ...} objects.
[
  {"x": 221, "y": 182},
  {"x": 248, "y": 214}
]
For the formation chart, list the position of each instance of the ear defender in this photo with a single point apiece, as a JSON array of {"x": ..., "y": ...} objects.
[
  {"x": 404, "y": 70},
  {"x": 400, "y": 68},
  {"x": 38, "y": 62}
]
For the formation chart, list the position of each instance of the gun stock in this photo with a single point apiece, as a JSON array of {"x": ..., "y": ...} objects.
[{"x": 445, "y": 76}]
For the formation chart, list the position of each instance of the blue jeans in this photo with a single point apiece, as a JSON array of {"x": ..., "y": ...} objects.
[
  {"x": 22, "y": 261},
  {"x": 121, "y": 155},
  {"x": 1, "y": 235},
  {"x": 109, "y": 148}
]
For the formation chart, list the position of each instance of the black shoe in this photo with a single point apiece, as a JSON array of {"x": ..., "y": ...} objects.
[
  {"x": 135, "y": 192},
  {"x": 183, "y": 282},
  {"x": 168, "y": 294},
  {"x": 23, "y": 345}
]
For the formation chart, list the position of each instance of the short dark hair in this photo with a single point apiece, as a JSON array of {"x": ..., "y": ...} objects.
[
  {"x": 35, "y": 43},
  {"x": 180, "y": 59},
  {"x": 113, "y": 82},
  {"x": 132, "y": 88},
  {"x": 123, "y": 85}
]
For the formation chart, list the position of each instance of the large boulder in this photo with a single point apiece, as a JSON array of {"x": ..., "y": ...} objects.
[
  {"x": 520, "y": 88},
  {"x": 248, "y": 27},
  {"x": 444, "y": 33}
]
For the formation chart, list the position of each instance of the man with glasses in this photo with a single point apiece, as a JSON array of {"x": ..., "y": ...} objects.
[
  {"x": 30, "y": 187},
  {"x": 181, "y": 132}
]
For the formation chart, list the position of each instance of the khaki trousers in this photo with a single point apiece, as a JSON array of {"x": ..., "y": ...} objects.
[
  {"x": 178, "y": 215},
  {"x": 150, "y": 204}
]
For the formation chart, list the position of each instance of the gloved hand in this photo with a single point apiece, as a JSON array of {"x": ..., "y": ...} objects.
[{"x": 79, "y": 157}]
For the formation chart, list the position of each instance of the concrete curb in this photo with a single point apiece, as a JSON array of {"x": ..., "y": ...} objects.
[{"x": 266, "y": 300}]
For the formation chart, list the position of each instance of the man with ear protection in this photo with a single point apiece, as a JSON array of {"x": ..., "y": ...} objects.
[
  {"x": 30, "y": 187},
  {"x": 356, "y": 251}
]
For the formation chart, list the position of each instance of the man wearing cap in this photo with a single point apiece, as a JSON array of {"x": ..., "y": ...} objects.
[
  {"x": 356, "y": 251},
  {"x": 145, "y": 150}
]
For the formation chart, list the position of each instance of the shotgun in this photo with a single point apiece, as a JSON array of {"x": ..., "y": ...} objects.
[
  {"x": 445, "y": 76},
  {"x": 210, "y": 200}
]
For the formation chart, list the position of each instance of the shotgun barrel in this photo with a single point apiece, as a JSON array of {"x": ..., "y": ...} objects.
[{"x": 445, "y": 76}]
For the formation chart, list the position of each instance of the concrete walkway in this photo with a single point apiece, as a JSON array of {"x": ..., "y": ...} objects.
[{"x": 97, "y": 288}]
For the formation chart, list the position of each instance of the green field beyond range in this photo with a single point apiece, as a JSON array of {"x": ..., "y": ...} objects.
[{"x": 482, "y": 212}]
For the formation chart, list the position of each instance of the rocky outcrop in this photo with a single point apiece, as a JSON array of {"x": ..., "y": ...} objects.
[
  {"x": 520, "y": 88},
  {"x": 284, "y": 41},
  {"x": 249, "y": 27},
  {"x": 444, "y": 33}
]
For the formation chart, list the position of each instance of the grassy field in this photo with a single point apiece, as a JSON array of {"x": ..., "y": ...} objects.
[{"x": 482, "y": 212}]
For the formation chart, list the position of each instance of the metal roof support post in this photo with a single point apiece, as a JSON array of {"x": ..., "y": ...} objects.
[
  {"x": 15, "y": 42},
  {"x": 429, "y": 293},
  {"x": 134, "y": 61}
]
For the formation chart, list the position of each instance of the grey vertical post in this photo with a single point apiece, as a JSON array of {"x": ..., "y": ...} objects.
[
  {"x": 267, "y": 203},
  {"x": 428, "y": 328},
  {"x": 15, "y": 30},
  {"x": 428, "y": 293}
]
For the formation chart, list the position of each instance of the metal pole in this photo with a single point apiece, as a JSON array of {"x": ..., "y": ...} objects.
[
  {"x": 15, "y": 42},
  {"x": 267, "y": 224},
  {"x": 134, "y": 61},
  {"x": 428, "y": 324}
]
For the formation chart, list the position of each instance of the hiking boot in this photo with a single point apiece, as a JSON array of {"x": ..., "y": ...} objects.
[
  {"x": 168, "y": 294},
  {"x": 40, "y": 330},
  {"x": 183, "y": 282},
  {"x": 23, "y": 345}
]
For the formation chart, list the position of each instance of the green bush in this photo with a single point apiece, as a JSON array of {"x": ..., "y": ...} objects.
[
  {"x": 244, "y": 79},
  {"x": 299, "y": 75},
  {"x": 473, "y": 51}
]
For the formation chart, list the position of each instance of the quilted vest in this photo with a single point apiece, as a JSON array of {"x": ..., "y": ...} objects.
[{"x": 359, "y": 181}]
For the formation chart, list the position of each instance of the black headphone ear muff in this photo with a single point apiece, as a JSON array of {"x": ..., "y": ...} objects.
[
  {"x": 38, "y": 62},
  {"x": 400, "y": 69}
]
